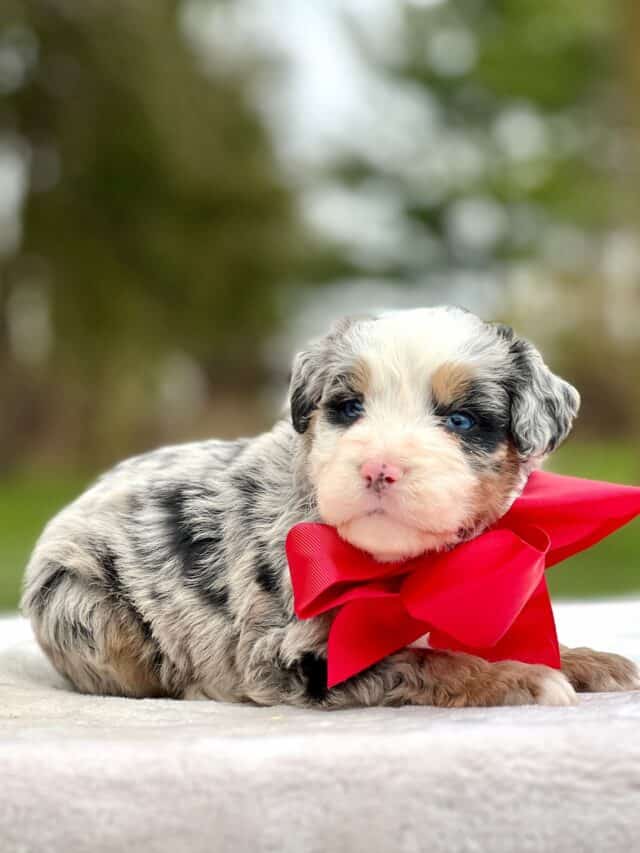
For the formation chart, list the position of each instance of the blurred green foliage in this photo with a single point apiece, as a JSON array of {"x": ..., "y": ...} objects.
[
  {"x": 162, "y": 241},
  {"x": 507, "y": 141},
  {"x": 613, "y": 566},
  {"x": 27, "y": 502},
  {"x": 158, "y": 222},
  {"x": 514, "y": 102},
  {"x": 162, "y": 235}
]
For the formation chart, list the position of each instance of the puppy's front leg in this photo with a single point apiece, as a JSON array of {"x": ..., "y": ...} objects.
[
  {"x": 278, "y": 671},
  {"x": 598, "y": 672}
]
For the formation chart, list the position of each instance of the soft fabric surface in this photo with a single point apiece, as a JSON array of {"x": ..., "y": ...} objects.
[{"x": 82, "y": 773}]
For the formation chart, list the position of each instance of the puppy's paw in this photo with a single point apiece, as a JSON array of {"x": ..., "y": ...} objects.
[
  {"x": 551, "y": 687},
  {"x": 599, "y": 672},
  {"x": 465, "y": 681},
  {"x": 526, "y": 684}
]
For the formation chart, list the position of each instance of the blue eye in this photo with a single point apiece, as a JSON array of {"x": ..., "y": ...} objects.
[
  {"x": 345, "y": 412},
  {"x": 460, "y": 422},
  {"x": 352, "y": 409}
]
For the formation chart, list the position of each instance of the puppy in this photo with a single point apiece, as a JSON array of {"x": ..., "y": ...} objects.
[{"x": 409, "y": 432}]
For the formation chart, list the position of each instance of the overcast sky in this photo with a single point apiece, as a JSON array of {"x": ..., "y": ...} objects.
[{"x": 320, "y": 96}]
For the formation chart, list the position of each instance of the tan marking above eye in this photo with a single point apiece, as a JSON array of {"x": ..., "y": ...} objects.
[
  {"x": 360, "y": 375},
  {"x": 450, "y": 382},
  {"x": 357, "y": 377}
]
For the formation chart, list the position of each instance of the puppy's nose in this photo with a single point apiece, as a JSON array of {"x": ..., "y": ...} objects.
[{"x": 380, "y": 475}]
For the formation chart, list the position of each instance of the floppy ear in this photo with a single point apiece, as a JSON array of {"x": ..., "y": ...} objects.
[
  {"x": 312, "y": 367},
  {"x": 543, "y": 406},
  {"x": 307, "y": 384}
]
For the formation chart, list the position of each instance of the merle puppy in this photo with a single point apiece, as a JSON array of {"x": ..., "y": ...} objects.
[{"x": 409, "y": 432}]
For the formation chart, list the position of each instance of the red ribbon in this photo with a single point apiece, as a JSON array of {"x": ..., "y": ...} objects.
[{"x": 487, "y": 597}]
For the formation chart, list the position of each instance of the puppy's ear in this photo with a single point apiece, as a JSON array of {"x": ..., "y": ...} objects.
[
  {"x": 313, "y": 366},
  {"x": 543, "y": 406},
  {"x": 307, "y": 384}
]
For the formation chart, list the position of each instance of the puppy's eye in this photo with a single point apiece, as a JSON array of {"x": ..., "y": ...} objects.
[
  {"x": 460, "y": 422},
  {"x": 351, "y": 409},
  {"x": 346, "y": 412}
]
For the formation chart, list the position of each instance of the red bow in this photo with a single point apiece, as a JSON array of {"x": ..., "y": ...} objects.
[{"x": 487, "y": 597}]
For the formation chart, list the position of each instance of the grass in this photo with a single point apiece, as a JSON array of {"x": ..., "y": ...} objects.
[
  {"x": 27, "y": 501},
  {"x": 613, "y": 566}
]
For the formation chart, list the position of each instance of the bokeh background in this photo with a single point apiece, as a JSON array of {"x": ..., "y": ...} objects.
[{"x": 189, "y": 189}]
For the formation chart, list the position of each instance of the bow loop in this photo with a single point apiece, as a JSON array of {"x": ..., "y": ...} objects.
[{"x": 475, "y": 592}]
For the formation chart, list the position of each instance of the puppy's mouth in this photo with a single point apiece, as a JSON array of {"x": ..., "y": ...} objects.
[
  {"x": 456, "y": 534},
  {"x": 387, "y": 536}
]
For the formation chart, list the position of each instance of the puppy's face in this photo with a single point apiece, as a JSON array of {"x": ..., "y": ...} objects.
[{"x": 422, "y": 426}]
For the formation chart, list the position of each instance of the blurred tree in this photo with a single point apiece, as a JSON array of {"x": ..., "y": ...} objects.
[
  {"x": 160, "y": 242},
  {"x": 632, "y": 67},
  {"x": 498, "y": 137},
  {"x": 506, "y": 106},
  {"x": 155, "y": 222}
]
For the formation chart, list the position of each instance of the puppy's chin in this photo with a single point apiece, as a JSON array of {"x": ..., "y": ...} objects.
[{"x": 388, "y": 540}]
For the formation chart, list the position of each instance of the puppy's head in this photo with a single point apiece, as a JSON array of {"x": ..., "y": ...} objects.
[{"x": 422, "y": 426}]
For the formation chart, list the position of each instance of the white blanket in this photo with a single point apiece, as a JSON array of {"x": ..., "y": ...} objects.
[{"x": 82, "y": 773}]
